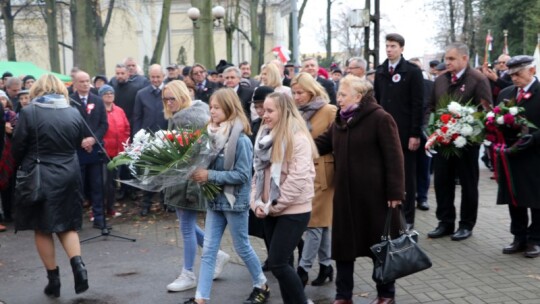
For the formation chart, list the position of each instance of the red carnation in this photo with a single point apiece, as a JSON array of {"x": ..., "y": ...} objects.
[
  {"x": 445, "y": 118},
  {"x": 496, "y": 110},
  {"x": 444, "y": 129},
  {"x": 509, "y": 119},
  {"x": 170, "y": 136}
]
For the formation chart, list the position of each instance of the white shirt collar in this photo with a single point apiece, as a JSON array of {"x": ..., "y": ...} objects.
[
  {"x": 460, "y": 73},
  {"x": 527, "y": 87}
]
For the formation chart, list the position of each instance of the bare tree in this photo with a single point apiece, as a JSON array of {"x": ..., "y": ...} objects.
[
  {"x": 162, "y": 34},
  {"x": 348, "y": 38},
  {"x": 203, "y": 34},
  {"x": 9, "y": 20}
]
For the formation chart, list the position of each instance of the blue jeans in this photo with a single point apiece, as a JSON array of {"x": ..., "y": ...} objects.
[
  {"x": 192, "y": 234},
  {"x": 216, "y": 221}
]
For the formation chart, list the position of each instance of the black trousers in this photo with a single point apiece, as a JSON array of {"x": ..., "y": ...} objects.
[
  {"x": 284, "y": 233},
  {"x": 345, "y": 282},
  {"x": 519, "y": 224},
  {"x": 445, "y": 187},
  {"x": 409, "y": 205}
]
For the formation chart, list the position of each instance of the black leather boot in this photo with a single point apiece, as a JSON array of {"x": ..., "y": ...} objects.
[
  {"x": 303, "y": 275},
  {"x": 53, "y": 288},
  {"x": 80, "y": 275},
  {"x": 324, "y": 272}
]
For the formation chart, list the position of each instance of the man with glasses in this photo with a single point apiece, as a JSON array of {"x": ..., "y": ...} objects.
[
  {"x": 499, "y": 77},
  {"x": 357, "y": 67},
  {"x": 204, "y": 88}
]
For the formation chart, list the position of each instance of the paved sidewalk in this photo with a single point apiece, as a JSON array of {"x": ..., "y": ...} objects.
[{"x": 471, "y": 271}]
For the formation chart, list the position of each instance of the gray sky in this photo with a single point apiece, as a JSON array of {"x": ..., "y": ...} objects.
[{"x": 406, "y": 17}]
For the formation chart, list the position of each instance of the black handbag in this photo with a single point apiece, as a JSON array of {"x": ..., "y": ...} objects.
[
  {"x": 28, "y": 187},
  {"x": 396, "y": 258}
]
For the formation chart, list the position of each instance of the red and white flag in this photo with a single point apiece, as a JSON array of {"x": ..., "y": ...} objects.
[{"x": 281, "y": 53}]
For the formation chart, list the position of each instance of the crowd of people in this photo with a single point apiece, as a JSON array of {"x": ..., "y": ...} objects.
[{"x": 309, "y": 160}]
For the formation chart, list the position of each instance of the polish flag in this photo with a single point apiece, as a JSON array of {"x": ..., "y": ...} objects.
[{"x": 281, "y": 53}]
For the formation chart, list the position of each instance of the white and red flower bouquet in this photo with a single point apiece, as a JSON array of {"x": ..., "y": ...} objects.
[
  {"x": 166, "y": 158},
  {"x": 453, "y": 127},
  {"x": 505, "y": 126}
]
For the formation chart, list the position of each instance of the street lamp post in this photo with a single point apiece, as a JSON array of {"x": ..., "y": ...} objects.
[{"x": 205, "y": 19}]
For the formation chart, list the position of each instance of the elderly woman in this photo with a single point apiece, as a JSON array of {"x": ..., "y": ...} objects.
[
  {"x": 49, "y": 125},
  {"x": 312, "y": 102},
  {"x": 369, "y": 179},
  {"x": 187, "y": 198}
]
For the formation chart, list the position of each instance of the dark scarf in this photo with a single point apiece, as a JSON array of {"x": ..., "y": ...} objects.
[
  {"x": 309, "y": 109},
  {"x": 348, "y": 113}
]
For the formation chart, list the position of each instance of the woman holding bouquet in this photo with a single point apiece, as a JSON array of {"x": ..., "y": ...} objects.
[
  {"x": 187, "y": 198},
  {"x": 282, "y": 189},
  {"x": 228, "y": 130}
]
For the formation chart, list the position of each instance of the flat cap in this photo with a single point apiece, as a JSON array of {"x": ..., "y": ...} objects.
[
  {"x": 516, "y": 63},
  {"x": 22, "y": 92},
  {"x": 172, "y": 66},
  {"x": 260, "y": 93},
  {"x": 434, "y": 63},
  {"x": 441, "y": 66}
]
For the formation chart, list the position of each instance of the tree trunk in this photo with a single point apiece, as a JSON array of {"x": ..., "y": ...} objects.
[
  {"x": 329, "y": 29},
  {"x": 255, "y": 36},
  {"x": 452, "y": 21},
  {"x": 10, "y": 32},
  {"x": 231, "y": 25},
  {"x": 203, "y": 34},
  {"x": 162, "y": 35},
  {"x": 52, "y": 35},
  {"x": 301, "y": 13},
  {"x": 262, "y": 36}
]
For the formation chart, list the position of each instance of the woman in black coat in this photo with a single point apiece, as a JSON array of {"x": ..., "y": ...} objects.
[{"x": 54, "y": 130}]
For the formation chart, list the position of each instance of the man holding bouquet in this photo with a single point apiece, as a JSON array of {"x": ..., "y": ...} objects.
[
  {"x": 465, "y": 85},
  {"x": 519, "y": 185}
]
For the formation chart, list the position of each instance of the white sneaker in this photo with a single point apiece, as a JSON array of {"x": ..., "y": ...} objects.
[
  {"x": 221, "y": 261},
  {"x": 185, "y": 281}
]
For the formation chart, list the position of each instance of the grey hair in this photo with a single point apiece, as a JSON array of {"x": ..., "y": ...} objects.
[
  {"x": 235, "y": 70},
  {"x": 461, "y": 47},
  {"x": 13, "y": 81},
  {"x": 361, "y": 61},
  {"x": 121, "y": 65}
]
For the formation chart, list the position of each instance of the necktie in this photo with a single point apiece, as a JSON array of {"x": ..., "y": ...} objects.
[
  {"x": 83, "y": 100},
  {"x": 520, "y": 95},
  {"x": 391, "y": 70},
  {"x": 156, "y": 92},
  {"x": 454, "y": 78},
  {"x": 200, "y": 86}
]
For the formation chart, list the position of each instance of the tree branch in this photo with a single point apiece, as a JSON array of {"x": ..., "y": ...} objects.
[
  {"x": 108, "y": 18},
  {"x": 65, "y": 45}
]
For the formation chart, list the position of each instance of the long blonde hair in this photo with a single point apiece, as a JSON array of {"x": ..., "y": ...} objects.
[
  {"x": 310, "y": 85},
  {"x": 232, "y": 107},
  {"x": 290, "y": 122},
  {"x": 181, "y": 94},
  {"x": 48, "y": 84},
  {"x": 273, "y": 77}
]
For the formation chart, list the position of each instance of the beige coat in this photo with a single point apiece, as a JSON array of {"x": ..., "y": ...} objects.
[{"x": 321, "y": 214}]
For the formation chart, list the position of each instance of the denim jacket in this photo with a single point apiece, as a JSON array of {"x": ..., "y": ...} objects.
[{"x": 239, "y": 176}]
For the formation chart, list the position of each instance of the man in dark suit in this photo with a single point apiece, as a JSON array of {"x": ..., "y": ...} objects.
[
  {"x": 232, "y": 77},
  {"x": 203, "y": 88},
  {"x": 525, "y": 194},
  {"x": 245, "y": 68},
  {"x": 148, "y": 115},
  {"x": 466, "y": 84},
  {"x": 399, "y": 89},
  {"x": 311, "y": 66},
  {"x": 91, "y": 156}
]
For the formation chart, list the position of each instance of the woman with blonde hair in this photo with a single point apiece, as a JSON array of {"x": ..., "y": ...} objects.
[
  {"x": 282, "y": 189},
  {"x": 231, "y": 170},
  {"x": 313, "y": 103},
  {"x": 369, "y": 179},
  {"x": 186, "y": 198},
  {"x": 271, "y": 77},
  {"x": 53, "y": 129}
]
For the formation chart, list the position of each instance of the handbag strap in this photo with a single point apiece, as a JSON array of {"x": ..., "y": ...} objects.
[
  {"x": 35, "y": 129},
  {"x": 386, "y": 232}
]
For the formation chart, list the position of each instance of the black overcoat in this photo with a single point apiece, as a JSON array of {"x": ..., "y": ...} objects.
[
  {"x": 60, "y": 130},
  {"x": 523, "y": 165}
]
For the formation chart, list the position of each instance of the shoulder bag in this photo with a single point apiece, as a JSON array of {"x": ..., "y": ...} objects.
[
  {"x": 28, "y": 187},
  {"x": 396, "y": 258}
]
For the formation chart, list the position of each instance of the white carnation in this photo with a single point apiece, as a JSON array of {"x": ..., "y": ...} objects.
[
  {"x": 454, "y": 107},
  {"x": 490, "y": 114},
  {"x": 466, "y": 130},
  {"x": 513, "y": 111},
  {"x": 500, "y": 120},
  {"x": 460, "y": 142},
  {"x": 487, "y": 143}
]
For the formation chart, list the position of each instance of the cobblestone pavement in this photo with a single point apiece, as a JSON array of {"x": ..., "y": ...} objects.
[{"x": 470, "y": 271}]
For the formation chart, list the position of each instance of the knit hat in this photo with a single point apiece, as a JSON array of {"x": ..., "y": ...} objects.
[{"x": 105, "y": 89}]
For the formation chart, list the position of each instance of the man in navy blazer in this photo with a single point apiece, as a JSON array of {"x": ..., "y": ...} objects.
[
  {"x": 90, "y": 155},
  {"x": 232, "y": 76},
  {"x": 311, "y": 66},
  {"x": 148, "y": 114}
]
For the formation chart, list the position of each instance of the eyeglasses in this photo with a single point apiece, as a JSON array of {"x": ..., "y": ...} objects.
[
  {"x": 352, "y": 68},
  {"x": 198, "y": 72},
  {"x": 502, "y": 62},
  {"x": 169, "y": 99}
]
